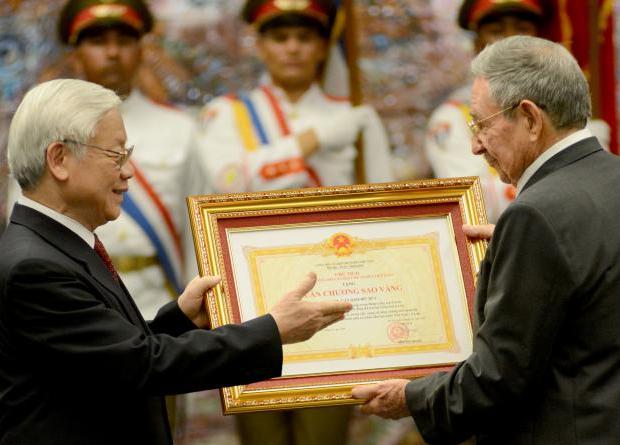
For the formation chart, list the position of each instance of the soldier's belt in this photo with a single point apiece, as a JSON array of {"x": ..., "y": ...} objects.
[{"x": 127, "y": 263}]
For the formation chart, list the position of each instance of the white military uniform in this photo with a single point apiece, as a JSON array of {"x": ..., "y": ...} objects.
[
  {"x": 249, "y": 143},
  {"x": 166, "y": 172},
  {"x": 448, "y": 147}
]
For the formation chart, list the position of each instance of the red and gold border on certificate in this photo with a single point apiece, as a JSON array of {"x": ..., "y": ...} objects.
[{"x": 211, "y": 216}]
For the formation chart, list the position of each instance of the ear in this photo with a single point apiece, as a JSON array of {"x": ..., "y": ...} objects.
[
  {"x": 57, "y": 157},
  {"x": 534, "y": 117},
  {"x": 143, "y": 46},
  {"x": 76, "y": 64},
  {"x": 325, "y": 47},
  {"x": 479, "y": 43},
  {"x": 260, "y": 52}
]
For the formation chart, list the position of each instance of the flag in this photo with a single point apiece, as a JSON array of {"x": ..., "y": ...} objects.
[{"x": 586, "y": 29}]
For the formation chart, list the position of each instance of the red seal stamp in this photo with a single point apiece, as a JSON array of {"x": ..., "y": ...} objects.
[{"x": 397, "y": 332}]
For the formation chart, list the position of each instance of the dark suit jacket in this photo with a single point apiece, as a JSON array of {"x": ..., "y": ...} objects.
[
  {"x": 79, "y": 365},
  {"x": 546, "y": 361}
]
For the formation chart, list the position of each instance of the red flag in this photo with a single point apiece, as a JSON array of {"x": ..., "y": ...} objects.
[{"x": 586, "y": 28}]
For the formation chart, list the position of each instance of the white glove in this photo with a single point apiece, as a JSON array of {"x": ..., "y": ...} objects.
[{"x": 342, "y": 128}]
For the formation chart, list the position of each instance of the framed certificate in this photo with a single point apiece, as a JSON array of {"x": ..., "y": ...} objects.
[{"x": 396, "y": 251}]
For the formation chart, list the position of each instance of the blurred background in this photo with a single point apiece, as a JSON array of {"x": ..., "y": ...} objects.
[
  {"x": 402, "y": 56},
  {"x": 409, "y": 56}
]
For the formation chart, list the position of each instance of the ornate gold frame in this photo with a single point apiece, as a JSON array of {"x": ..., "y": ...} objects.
[{"x": 209, "y": 212}]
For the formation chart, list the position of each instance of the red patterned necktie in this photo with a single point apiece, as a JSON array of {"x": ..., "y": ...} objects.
[{"x": 100, "y": 250}]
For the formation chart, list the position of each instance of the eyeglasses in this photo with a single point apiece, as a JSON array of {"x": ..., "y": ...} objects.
[
  {"x": 120, "y": 157},
  {"x": 474, "y": 125}
]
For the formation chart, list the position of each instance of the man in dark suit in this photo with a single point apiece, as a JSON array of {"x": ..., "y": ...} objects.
[
  {"x": 546, "y": 362},
  {"x": 78, "y": 364}
]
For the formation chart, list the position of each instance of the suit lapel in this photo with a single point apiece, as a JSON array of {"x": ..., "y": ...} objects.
[
  {"x": 68, "y": 242},
  {"x": 571, "y": 154},
  {"x": 77, "y": 249}
]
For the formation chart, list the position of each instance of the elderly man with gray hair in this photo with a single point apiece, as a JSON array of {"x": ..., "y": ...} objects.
[
  {"x": 79, "y": 364},
  {"x": 546, "y": 362}
]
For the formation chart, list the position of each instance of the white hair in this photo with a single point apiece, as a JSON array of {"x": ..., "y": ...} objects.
[
  {"x": 54, "y": 111},
  {"x": 524, "y": 67}
]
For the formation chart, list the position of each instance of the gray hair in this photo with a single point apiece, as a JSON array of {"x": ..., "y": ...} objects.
[
  {"x": 54, "y": 111},
  {"x": 523, "y": 67}
]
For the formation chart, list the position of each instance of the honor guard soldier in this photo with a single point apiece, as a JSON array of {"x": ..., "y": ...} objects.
[
  {"x": 288, "y": 133},
  {"x": 448, "y": 145},
  {"x": 150, "y": 242},
  {"x": 448, "y": 137}
]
